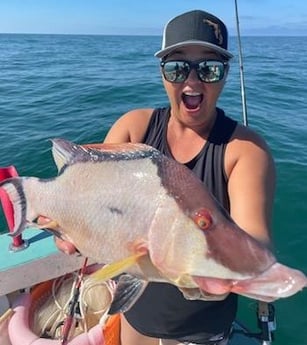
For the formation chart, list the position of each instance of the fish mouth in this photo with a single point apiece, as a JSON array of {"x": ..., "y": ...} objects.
[{"x": 192, "y": 100}]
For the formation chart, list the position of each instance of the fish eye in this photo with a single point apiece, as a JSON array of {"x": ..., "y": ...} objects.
[{"x": 202, "y": 219}]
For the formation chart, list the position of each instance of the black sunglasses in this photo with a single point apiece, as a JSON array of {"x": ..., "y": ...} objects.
[{"x": 208, "y": 71}]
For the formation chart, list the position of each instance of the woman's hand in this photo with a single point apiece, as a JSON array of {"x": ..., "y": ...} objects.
[{"x": 64, "y": 246}]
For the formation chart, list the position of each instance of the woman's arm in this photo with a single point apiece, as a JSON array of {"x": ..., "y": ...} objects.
[
  {"x": 131, "y": 127},
  {"x": 251, "y": 185}
]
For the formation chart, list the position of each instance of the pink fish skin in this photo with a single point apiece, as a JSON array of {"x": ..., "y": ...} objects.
[{"x": 126, "y": 199}]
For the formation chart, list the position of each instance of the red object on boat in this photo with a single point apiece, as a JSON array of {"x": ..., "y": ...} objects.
[{"x": 7, "y": 172}]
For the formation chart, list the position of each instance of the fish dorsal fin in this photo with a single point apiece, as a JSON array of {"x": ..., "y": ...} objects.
[
  {"x": 63, "y": 152},
  {"x": 66, "y": 153},
  {"x": 128, "y": 290}
]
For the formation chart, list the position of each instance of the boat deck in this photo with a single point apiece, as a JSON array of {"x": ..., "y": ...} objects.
[{"x": 40, "y": 261}]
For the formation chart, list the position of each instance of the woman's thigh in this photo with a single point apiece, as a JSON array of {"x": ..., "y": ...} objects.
[{"x": 129, "y": 336}]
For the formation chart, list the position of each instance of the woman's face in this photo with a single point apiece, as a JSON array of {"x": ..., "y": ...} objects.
[{"x": 193, "y": 102}]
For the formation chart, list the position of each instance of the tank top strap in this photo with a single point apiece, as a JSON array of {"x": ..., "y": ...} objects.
[{"x": 157, "y": 130}]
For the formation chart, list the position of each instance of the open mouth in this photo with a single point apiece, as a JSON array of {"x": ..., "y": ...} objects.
[{"x": 192, "y": 100}]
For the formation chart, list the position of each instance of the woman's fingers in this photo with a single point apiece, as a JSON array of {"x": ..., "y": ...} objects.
[{"x": 65, "y": 246}]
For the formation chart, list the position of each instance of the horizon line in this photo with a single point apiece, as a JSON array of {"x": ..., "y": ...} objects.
[{"x": 144, "y": 35}]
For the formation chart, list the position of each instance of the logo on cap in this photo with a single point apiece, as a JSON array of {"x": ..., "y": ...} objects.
[{"x": 216, "y": 29}]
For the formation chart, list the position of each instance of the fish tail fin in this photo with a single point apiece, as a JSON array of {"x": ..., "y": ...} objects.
[{"x": 15, "y": 192}]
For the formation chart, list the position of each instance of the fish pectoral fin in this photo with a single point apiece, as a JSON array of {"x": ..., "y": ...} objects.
[
  {"x": 128, "y": 290},
  {"x": 111, "y": 270},
  {"x": 52, "y": 224}
]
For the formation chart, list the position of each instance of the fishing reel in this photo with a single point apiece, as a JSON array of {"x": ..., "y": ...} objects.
[{"x": 266, "y": 322}]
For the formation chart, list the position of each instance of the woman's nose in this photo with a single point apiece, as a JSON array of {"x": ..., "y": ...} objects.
[{"x": 193, "y": 77}]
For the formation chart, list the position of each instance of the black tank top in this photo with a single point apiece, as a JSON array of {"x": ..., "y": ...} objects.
[{"x": 162, "y": 311}]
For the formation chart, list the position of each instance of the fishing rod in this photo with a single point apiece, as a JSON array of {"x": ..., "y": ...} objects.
[
  {"x": 73, "y": 306},
  {"x": 241, "y": 68},
  {"x": 265, "y": 311}
]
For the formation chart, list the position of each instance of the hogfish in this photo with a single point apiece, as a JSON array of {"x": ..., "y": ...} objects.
[{"x": 130, "y": 201}]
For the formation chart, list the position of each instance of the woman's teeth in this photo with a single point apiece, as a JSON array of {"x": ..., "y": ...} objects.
[{"x": 192, "y": 100}]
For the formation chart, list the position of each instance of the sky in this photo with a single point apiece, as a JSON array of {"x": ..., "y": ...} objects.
[{"x": 147, "y": 17}]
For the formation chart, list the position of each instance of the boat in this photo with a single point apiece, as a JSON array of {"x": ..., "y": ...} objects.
[{"x": 29, "y": 268}]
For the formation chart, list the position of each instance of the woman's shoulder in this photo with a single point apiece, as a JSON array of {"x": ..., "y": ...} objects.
[
  {"x": 248, "y": 147},
  {"x": 130, "y": 127},
  {"x": 246, "y": 136}
]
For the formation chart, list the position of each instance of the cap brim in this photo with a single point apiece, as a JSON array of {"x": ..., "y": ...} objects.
[{"x": 163, "y": 52}]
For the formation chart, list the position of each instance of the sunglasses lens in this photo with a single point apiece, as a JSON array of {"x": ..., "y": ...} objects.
[
  {"x": 211, "y": 71},
  {"x": 208, "y": 71},
  {"x": 175, "y": 71}
]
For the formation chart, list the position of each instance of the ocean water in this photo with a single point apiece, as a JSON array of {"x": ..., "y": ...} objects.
[{"x": 75, "y": 87}]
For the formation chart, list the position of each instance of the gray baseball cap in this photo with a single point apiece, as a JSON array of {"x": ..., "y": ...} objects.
[{"x": 195, "y": 28}]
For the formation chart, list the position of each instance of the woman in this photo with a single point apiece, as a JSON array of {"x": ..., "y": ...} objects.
[{"x": 232, "y": 160}]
